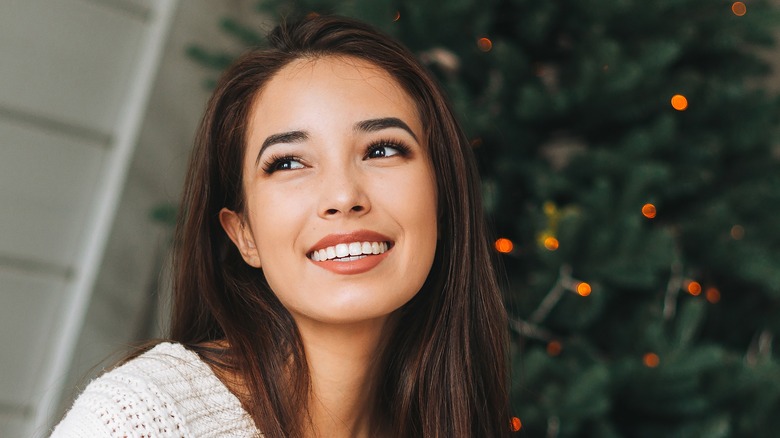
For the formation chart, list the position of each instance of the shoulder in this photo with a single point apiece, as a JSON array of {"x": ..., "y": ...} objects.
[{"x": 167, "y": 391}]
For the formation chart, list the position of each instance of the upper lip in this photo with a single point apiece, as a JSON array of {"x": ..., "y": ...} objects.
[{"x": 354, "y": 236}]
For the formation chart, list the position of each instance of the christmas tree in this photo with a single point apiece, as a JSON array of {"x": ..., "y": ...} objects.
[{"x": 629, "y": 166}]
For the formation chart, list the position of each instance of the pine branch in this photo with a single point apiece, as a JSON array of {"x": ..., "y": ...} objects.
[
  {"x": 530, "y": 330},
  {"x": 760, "y": 348},
  {"x": 674, "y": 285},
  {"x": 553, "y": 296}
]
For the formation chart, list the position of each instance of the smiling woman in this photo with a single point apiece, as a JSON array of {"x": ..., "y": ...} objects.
[
  {"x": 341, "y": 169},
  {"x": 332, "y": 275}
]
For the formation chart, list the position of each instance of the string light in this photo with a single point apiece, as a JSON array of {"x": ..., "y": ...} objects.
[
  {"x": 737, "y": 232},
  {"x": 485, "y": 44},
  {"x": 515, "y": 424},
  {"x": 651, "y": 360},
  {"x": 504, "y": 245},
  {"x": 679, "y": 102},
  {"x": 554, "y": 348},
  {"x": 397, "y": 16},
  {"x": 583, "y": 289},
  {"x": 694, "y": 288},
  {"x": 551, "y": 243},
  {"x": 649, "y": 211},
  {"x": 738, "y": 8},
  {"x": 713, "y": 295}
]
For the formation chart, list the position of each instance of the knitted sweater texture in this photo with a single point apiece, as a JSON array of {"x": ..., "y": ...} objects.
[{"x": 166, "y": 392}]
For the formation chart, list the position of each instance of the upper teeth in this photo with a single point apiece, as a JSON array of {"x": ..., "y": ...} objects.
[{"x": 348, "y": 249}]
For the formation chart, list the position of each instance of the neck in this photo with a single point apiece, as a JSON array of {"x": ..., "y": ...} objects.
[{"x": 343, "y": 363}]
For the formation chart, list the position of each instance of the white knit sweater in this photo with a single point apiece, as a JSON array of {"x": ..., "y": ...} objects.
[{"x": 166, "y": 392}]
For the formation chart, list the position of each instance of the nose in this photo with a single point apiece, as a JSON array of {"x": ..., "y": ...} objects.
[{"x": 342, "y": 193}]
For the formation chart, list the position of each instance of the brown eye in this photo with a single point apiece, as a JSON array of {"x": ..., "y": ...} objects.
[
  {"x": 385, "y": 149},
  {"x": 283, "y": 163}
]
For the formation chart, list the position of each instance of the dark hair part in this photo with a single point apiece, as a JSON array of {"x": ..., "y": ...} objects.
[{"x": 444, "y": 371}]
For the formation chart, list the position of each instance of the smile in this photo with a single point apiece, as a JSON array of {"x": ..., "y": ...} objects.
[{"x": 347, "y": 252}]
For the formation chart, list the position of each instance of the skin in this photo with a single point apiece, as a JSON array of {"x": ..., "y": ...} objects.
[{"x": 342, "y": 179}]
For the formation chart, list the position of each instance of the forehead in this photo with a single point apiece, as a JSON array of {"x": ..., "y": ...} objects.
[{"x": 309, "y": 90}]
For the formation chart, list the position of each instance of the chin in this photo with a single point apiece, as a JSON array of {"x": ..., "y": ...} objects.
[{"x": 349, "y": 312}]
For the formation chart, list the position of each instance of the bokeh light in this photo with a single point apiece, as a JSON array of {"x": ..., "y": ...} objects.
[
  {"x": 485, "y": 44},
  {"x": 737, "y": 232},
  {"x": 649, "y": 211},
  {"x": 551, "y": 243},
  {"x": 651, "y": 360},
  {"x": 679, "y": 102},
  {"x": 694, "y": 288},
  {"x": 712, "y": 295},
  {"x": 554, "y": 348},
  {"x": 738, "y": 8},
  {"x": 584, "y": 289},
  {"x": 397, "y": 16},
  {"x": 516, "y": 425},
  {"x": 504, "y": 245}
]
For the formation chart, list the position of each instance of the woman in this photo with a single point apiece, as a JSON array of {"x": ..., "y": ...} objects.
[{"x": 332, "y": 274}]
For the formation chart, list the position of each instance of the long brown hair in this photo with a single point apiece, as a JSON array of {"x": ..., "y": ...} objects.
[{"x": 444, "y": 370}]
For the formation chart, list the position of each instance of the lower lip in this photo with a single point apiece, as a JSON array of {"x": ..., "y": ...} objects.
[{"x": 359, "y": 266}]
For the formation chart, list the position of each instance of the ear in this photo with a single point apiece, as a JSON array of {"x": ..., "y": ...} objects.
[{"x": 241, "y": 236}]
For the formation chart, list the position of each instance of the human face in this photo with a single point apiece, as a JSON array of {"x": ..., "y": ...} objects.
[{"x": 335, "y": 160}]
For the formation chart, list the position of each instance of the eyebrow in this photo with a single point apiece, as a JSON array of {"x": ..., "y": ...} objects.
[
  {"x": 374, "y": 125},
  {"x": 371, "y": 125},
  {"x": 284, "y": 137}
]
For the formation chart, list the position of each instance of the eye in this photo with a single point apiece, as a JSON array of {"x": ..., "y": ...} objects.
[
  {"x": 386, "y": 148},
  {"x": 287, "y": 162}
]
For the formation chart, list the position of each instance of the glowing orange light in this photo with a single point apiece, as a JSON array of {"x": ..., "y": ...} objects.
[
  {"x": 694, "y": 288},
  {"x": 583, "y": 289},
  {"x": 516, "y": 425},
  {"x": 737, "y": 232},
  {"x": 713, "y": 295},
  {"x": 651, "y": 360},
  {"x": 679, "y": 102},
  {"x": 397, "y": 16},
  {"x": 551, "y": 243},
  {"x": 649, "y": 211},
  {"x": 738, "y": 8},
  {"x": 504, "y": 245},
  {"x": 484, "y": 44},
  {"x": 554, "y": 348}
]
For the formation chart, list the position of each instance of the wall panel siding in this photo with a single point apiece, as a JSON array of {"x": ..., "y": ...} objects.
[
  {"x": 48, "y": 183},
  {"x": 71, "y": 60},
  {"x": 76, "y": 77},
  {"x": 33, "y": 301}
]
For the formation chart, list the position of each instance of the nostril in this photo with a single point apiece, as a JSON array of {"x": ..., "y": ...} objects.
[{"x": 355, "y": 209}]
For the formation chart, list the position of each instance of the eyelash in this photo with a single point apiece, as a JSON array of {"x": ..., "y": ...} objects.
[
  {"x": 403, "y": 150},
  {"x": 273, "y": 162}
]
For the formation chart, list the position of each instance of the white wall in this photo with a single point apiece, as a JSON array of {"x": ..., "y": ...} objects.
[
  {"x": 84, "y": 159},
  {"x": 125, "y": 291},
  {"x": 75, "y": 78}
]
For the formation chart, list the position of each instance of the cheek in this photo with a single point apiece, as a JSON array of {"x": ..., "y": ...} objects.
[
  {"x": 422, "y": 194},
  {"x": 416, "y": 208},
  {"x": 277, "y": 217}
]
